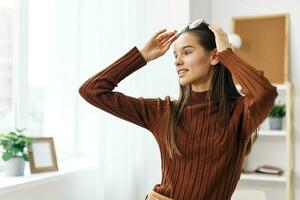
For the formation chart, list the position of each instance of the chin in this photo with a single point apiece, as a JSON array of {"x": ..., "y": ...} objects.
[{"x": 184, "y": 82}]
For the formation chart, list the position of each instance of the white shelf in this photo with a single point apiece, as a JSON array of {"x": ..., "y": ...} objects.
[
  {"x": 262, "y": 177},
  {"x": 12, "y": 183},
  {"x": 281, "y": 133}
]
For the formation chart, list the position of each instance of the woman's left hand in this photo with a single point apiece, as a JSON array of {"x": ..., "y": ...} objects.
[{"x": 221, "y": 38}]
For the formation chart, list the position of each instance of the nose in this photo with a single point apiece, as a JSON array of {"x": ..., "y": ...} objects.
[{"x": 178, "y": 61}]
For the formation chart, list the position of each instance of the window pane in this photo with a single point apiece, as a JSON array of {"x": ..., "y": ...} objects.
[
  {"x": 52, "y": 92},
  {"x": 6, "y": 67}
]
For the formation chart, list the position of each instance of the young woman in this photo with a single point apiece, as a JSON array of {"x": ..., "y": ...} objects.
[{"x": 204, "y": 135}]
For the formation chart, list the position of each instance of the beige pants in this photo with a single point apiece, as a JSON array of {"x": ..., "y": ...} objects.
[{"x": 152, "y": 195}]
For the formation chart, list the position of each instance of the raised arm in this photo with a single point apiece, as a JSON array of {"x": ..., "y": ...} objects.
[
  {"x": 260, "y": 94},
  {"x": 98, "y": 90}
]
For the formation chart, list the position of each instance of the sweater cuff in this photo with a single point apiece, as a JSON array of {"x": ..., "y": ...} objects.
[
  {"x": 141, "y": 59},
  {"x": 227, "y": 52},
  {"x": 228, "y": 58}
]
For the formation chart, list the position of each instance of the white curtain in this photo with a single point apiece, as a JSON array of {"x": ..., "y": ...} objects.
[
  {"x": 129, "y": 160},
  {"x": 53, "y": 63},
  {"x": 71, "y": 40}
]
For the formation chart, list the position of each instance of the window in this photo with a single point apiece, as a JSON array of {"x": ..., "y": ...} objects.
[
  {"x": 6, "y": 66},
  {"x": 51, "y": 76},
  {"x": 38, "y": 71}
]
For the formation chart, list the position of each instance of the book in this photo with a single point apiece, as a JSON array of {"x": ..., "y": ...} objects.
[{"x": 268, "y": 169}]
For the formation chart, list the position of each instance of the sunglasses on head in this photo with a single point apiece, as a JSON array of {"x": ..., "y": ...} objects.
[
  {"x": 193, "y": 25},
  {"x": 196, "y": 23}
]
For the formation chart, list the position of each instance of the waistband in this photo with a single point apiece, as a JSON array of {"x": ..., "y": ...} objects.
[{"x": 153, "y": 195}]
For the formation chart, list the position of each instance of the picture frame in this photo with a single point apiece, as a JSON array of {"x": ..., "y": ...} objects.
[{"x": 42, "y": 155}]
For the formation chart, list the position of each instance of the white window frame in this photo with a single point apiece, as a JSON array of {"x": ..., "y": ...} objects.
[
  {"x": 20, "y": 70},
  {"x": 20, "y": 64}
]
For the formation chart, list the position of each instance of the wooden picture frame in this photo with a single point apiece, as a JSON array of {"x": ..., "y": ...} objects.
[
  {"x": 265, "y": 44},
  {"x": 42, "y": 155}
]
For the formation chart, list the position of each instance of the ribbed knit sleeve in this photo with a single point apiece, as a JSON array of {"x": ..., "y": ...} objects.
[
  {"x": 259, "y": 93},
  {"x": 98, "y": 91}
]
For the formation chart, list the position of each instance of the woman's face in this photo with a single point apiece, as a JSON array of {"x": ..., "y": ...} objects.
[{"x": 190, "y": 55}]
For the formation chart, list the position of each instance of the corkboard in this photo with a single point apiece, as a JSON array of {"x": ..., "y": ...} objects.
[{"x": 265, "y": 44}]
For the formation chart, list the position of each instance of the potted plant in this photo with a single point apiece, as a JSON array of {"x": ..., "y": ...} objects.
[
  {"x": 15, "y": 146},
  {"x": 276, "y": 115}
]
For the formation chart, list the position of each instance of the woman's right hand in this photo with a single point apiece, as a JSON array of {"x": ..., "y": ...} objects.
[{"x": 158, "y": 44}]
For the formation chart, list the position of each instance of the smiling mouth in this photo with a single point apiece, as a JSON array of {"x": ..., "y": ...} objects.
[{"x": 182, "y": 72}]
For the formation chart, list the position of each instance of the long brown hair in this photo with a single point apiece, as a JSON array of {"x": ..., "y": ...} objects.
[{"x": 222, "y": 90}]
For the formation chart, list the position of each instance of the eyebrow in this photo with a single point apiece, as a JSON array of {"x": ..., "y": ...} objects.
[{"x": 184, "y": 48}]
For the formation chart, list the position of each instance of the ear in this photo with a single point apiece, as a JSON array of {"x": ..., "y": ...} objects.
[{"x": 213, "y": 57}]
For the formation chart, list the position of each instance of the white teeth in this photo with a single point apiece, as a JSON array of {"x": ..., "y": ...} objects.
[{"x": 182, "y": 71}]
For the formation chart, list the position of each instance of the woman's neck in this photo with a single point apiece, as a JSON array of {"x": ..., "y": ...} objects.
[{"x": 200, "y": 87}]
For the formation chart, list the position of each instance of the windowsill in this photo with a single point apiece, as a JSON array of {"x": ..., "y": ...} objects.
[{"x": 8, "y": 183}]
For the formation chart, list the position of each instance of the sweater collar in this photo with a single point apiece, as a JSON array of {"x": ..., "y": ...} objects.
[{"x": 198, "y": 97}]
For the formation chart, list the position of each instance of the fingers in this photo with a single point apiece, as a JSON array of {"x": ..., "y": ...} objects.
[
  {"x": 167, "y": 45},
  {"x": 221, "y": 38},
  {"x": 171, "y": 40},
  {"x": 158, "y": 33},
  {"x": 215, "y": 29},
  {"x": 166, "y": 37},
  {"x": 163, "y": 37},
  {"x": 210, "y": 26}
]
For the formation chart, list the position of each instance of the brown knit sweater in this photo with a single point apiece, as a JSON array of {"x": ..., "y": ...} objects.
[{"x": 211, "y": 162}]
